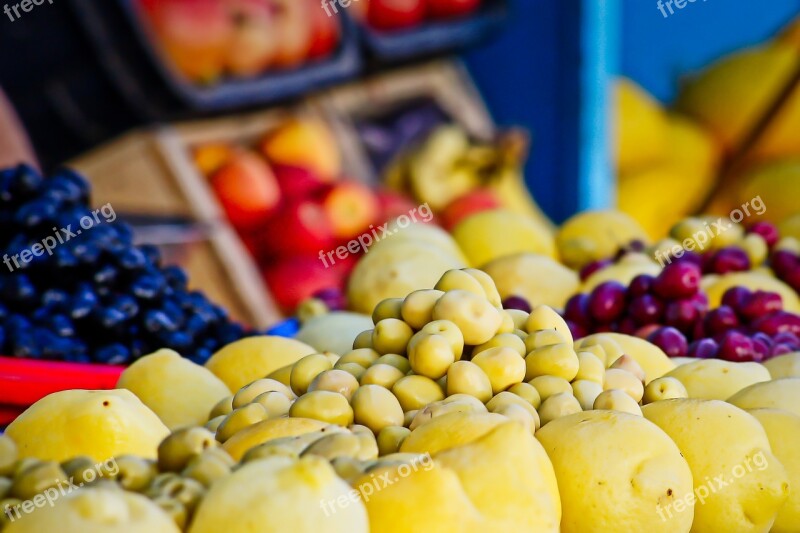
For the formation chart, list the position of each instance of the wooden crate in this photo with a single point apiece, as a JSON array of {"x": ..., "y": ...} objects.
[
  {"x": 145, "y": 173},
  {"x": 446, "y": 82}
]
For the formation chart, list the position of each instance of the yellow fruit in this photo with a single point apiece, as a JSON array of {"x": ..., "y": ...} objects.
[
  {"x": 594, "y": 235},
  {"x": 97, "y": 424},
  {"x": 415, "y": 392},
  {"x": 558, "y": 406},
  {"x": 327, "y": 406},
  {"x": 395, "y": 271},
  {"x": 664, "y": 389},
  {"x": 450, "y": 431},
  {"x": 458, "y": 403},
  {"x": 382, "y": 374},
  {"x": 527, "y": 392},
  {"x": 190, "y": 395},
  {"x": 783, "y": 431},
  {"x": 96, "y": 510},
  {"x": 586, "y": 392},
  {"x": 508, "y": 476},
  {"x": 493, "y": 234},
  {"x": 333, "y": 332},
  {"x": 779, "y": 394},
  {"x": 732, "y": 95},
  {"x": 388, "y": 308},
  {"x": 775, "y": 186},
  {"x": 422, "y": 233},
  {"x": 417, "y": 308},
  {"x": 544, "y": 337},
  {"x": 602, "y": 458},
  {"x": 430, "y": 355},
  {"x": 629, "y": 364},
  {"x": 552, "y": 285},
  {"x": 641, "y": 127},
  {"x": 659, "y": 196},
  {"x": 391, "y": 336},
  {"x": 280, "y": 494},
  {"x": 426, "y": 498},
  {"x": 306, "y": 143},
  {"x": 544, "y": 317},
  {"x": 739, "y": 485},
  {"x": 650, "y": 357},
  {"x": 784, "y": 366},
  {"x": 390, "y": 438},
  {"x": 252, "y": 358},
  {"x": 364, "y": 357},
  {"x": 714, "y": 379},
  {"x": 267, "y": 430},
  {"x": 376, "y": 408},
  {"x": 558, "y": 360},
  {"x": 624, "y": 381},
  {"x": 477, "y": 319},
  {"x": 617, "y": 400},
  {"x": 548, "y": 386},
  {"x": 305, "y": 370},
  {"x": 779, "y": 139},
  {"x": 503, "y": 366}
]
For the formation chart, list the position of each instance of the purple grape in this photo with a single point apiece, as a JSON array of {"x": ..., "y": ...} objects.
[
  {"x": 730, "y": 260},
  {"x": 681, "y": 314},
  {"x": 784, "y": 338},
  {"x": 672, "y": 341},
  {"x": 781, "y": 349},
  {"x": 640, "y": 285},
  {"x": 578, "y": 331},
  {"x": 721, "y": 320},
  {"x": 607, "y": 301},
  {"x": 678, "y": 280},
  {"x": 735, "y": 297},
  {"x": 628, "y": 326},
  {"x": 517, "y": 302},
  {"x": 737, "y": 347},
  {"x": 793, "y": 279},
  {"x": 780, "y": 322},
  {"x": 784, "y": 262},
  {"x": 691, "y": 257},
  {"x": 703, "y": 349},
  {"x": 761, "y": 303},
  {"x": 768, "y": 231},
  {"x": 761, "y": 348},
  {"x": 646, "y": 309},
  {"x": 763, "y": 337},
  {"x": 577, "y": 309}
]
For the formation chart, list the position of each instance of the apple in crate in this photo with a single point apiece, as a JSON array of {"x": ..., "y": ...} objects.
[
  {"x": 325, "y": 31},
  {"x": 301, "y": 226},
  {"x": 469, "y": 204},
  {"x": 395, "y": 14},
  {"x": 194, "y": 34},
  {"x": 350, "y": 207},
  {"x": 452, "y": 8},
  {"x": 247, "y": 189},
  {"x": 291, "y": 280},
  {"x": 294, "y": 33},
  {"x": 255, "y": 43},
  {"x": 305, "y": 143},
  {"x": 297, "y": 182}
]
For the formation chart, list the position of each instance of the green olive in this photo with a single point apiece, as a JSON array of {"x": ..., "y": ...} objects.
[
  {"x": 5, "y": 487},
  {"x": 415, "y": 392},
  {"x": 391, "y": 336},
  {"x": 134, "y": 473},
  {"x": 323, "y": 405},
  {"x": 381, "y": 374},
  {"x": 503, "y": 366},
  {"x": 212, "y": 464},
  {"x": 249, "y": 392},
  {"x": 398, "y": 361},
  {"x": 175, "y": 451},
  {"x": 336, "y": 380},
  {"x": 8, "y": 455},
  {"x": 36, "y": 479},
  {"x": 222, "y": 407},
  {"x": 363, "y": 340},
  {"x": 174, "y": 509},
  {"x": 306, "y": 369},
  {"x": 361, "y": 356},
  {"x": 376, "y": 408},
  {"x": 246, "y": 416},
  {"x": 82, "y": 469},
  {"x": 458, "y": 279},
  {"x": 465, "y": 377},
  {"x": 390, "y": 438},
  {"x": 417, "y": 309},
  {"x": 388, "y": 308}
]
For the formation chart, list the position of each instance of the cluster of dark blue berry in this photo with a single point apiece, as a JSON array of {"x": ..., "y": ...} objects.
[{"x": 76, "y": 294}]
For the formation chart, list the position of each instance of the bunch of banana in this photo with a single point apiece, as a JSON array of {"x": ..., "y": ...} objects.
[{"x": 448, "y": 165}]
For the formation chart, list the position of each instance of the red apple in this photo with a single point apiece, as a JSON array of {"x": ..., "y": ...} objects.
[
  {"x": 452, "y": 8},
  {"x": 393, "y": 204},
  {"x": 255, "y": 39},
  {"x": 469, "y": 204},
  {"x": 325, "y": 30},
  {"x": 300, "y": 226},
  {"x": 350, "y": 207},
  {"x": 194, "y": 34},
  {"x": 294, "y": 279},
  {"x": 395, "y": 14},
  {"x": 293, "y": 31},
  {"x": 297, "y": 182},
  {"x": 247, "y": 190}
]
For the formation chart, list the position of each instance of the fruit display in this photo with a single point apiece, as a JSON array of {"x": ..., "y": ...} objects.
[
  {"x": 75, "y": 288},
  {"x": 729, "y": 138},
  {"x": 208, "y": 40},
  {"x": 450, "y": 412}
]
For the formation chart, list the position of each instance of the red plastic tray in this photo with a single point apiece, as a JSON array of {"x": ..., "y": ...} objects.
[{"x": 25, "y": 381}]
